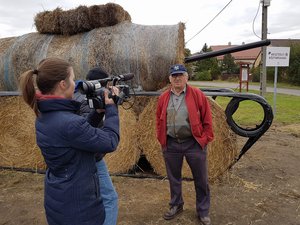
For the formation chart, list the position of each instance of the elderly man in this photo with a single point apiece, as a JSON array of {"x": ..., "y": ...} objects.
[{"x": 184, "y": 128}]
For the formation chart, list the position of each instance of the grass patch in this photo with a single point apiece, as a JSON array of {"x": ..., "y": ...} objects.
[{"x": 250, "y": 113}]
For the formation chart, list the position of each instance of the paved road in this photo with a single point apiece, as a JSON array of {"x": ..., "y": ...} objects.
[{"x": 236, "y": 87}]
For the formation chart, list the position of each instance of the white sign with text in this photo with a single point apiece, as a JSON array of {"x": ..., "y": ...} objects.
[{"x": 278, "y": 56}]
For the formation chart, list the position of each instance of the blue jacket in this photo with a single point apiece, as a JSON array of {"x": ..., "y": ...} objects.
[
  {"x": 85, "y": 111},
  {"x": 68, "y": 143}
]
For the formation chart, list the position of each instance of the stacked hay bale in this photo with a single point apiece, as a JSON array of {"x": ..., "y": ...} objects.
[
  {"x": 128, "y": 153},
  {"x": 119, "y": 46},
  {"x": 100, "y": 35},
  {"x": 112, "y": 42},
  {"x": 137, "y": 125},
  {"x": 119, "y": 49},
  {"x": 80, "y": 19},
  {"x": 126, "y": 157},
  {"x": 18, "y": 147},
  {"x": 5, "y": 44},
  {"x": 223, "y": 151}
]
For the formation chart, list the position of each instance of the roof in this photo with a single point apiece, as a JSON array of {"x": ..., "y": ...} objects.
[
  {"x": 252, "y": 54},
  {"x": 249, "y": 54},
  {"x": 284, "y": 42}
]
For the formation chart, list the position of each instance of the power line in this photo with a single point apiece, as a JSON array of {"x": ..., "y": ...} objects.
[
  {"x": 254, "y": 21},
  {"x": 210, "y": 21}
]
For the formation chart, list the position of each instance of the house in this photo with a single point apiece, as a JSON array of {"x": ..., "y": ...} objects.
[
  {"x": 252, "y": 56},
  {"x": 246, "y": 56}
]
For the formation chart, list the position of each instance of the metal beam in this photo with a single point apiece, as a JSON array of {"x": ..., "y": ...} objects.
[{"x": 243, "y": 47}]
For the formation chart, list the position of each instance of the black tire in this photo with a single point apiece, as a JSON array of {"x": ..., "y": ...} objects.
[{"x": 245, "y": 132}]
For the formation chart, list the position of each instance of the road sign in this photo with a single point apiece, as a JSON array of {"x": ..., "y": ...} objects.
[{"x": 278, "y": 56}]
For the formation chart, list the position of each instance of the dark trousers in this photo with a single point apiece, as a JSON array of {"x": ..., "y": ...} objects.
[{"x": 196, "y": 159}]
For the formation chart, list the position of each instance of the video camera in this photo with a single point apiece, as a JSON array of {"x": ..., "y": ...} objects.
[{"x": 94, "y": 90}]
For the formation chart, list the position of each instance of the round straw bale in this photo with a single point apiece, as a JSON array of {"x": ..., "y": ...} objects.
[
  {"x": 221, "y": 152},
  {"x": 138, "y": 104},
  {"x": 5, "y": 44},
  {"x": 147, "y": 137},
  {"x": 127, "y": 154},
  {"x": 18, "y": 147},
  {"x": 145, "y": 51}
]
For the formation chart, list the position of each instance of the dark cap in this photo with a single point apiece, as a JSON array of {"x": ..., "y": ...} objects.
[
  {"x": 177, "y": 69},
  {"x": 96, "y": 73}
]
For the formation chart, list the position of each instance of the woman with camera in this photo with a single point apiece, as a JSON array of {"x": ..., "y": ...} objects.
[
  {"x": 107, "y": 190},
  {"x": 68, "y": 143}
]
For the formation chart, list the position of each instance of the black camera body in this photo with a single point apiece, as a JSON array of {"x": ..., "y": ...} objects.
[{"x": 94, "y": 90}]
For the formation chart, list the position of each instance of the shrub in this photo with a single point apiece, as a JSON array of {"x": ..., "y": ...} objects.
[
  {"x": 203, "y": 75},
  {"x": 255, "y": 74}
]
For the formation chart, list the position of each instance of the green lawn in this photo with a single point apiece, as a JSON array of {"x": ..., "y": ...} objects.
[{"x": 251, "y": 113}]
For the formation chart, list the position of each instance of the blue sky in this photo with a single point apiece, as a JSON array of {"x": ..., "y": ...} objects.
[{"x": 236, "y": 24}]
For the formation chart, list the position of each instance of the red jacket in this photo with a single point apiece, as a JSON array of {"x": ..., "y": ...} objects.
[{"x": 199, "y": 116}]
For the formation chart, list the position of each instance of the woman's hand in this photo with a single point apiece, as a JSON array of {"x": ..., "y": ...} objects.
[
  {"x": 100, "y": 110},
  {"x": 114, "y": 91}
]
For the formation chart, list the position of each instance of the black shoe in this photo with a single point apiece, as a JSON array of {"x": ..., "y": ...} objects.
[
  {"x": 205, "y": 220},
  {"x": 173, "y": 212}
]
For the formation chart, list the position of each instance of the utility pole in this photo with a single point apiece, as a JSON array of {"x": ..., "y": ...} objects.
[{"x": 264, "y": 31}]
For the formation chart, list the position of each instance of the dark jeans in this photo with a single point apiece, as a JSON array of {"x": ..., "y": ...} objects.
[{"x": 196, "y": 159}]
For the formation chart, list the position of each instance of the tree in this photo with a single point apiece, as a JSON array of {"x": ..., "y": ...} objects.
[
  {"x": 228, "y": 65},
  {"x": 209, "y": 64},
  {"x": 293, "y": 74},
  {"x": 187, "y": 52}
]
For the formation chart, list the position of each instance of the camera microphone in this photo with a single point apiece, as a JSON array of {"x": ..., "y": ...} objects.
[
  {"x": 94, "y": 90},
  {"x": 125, "y": 77}
]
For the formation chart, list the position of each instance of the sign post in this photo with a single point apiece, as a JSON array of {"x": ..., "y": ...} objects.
[
  {"x": 244, "y": 75},
  {"x": 277, "y": 57}
]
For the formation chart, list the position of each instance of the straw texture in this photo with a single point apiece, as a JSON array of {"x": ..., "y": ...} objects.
[{"x": 145, "y": 51}]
